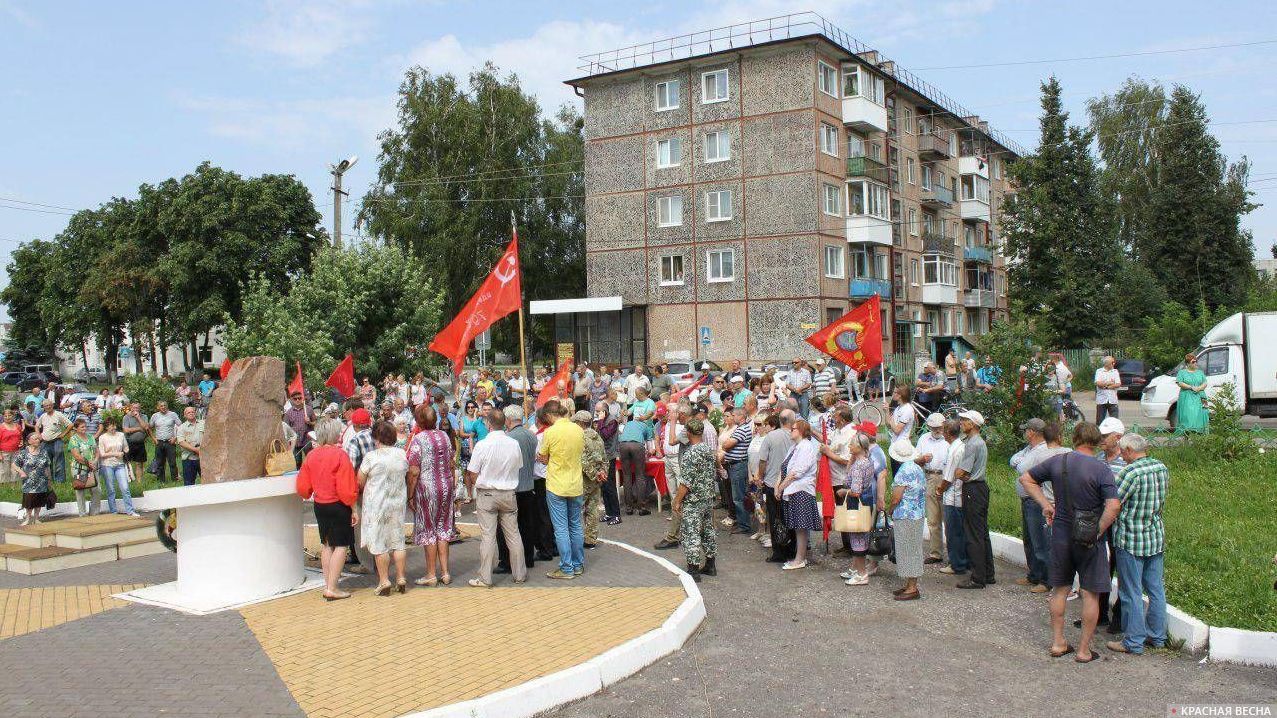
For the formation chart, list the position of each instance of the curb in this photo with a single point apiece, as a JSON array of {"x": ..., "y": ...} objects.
[
  {"x": 67, "y": 509},
  {"x": 592, "y": 676},
  {"x": 1222, "y": 644}
]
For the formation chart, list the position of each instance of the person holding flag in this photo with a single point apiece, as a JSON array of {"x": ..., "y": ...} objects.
[{"x": 299, "y": 416}]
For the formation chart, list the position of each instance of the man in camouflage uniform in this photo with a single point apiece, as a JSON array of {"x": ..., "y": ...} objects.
[
  {"x": 593, "y": 473},
  {"x": 695, "y": 501}
]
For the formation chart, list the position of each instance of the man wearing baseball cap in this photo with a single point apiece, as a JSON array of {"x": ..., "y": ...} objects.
[
  {"x": 975, "y": 500},
  {"x": 358, "y": 443},
  {"x": 1037, "y": 544},
  {"x": 932, "y": 453}
]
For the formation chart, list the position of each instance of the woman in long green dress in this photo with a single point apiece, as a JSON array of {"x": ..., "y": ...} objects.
[{"x": 1190, "y": 413}]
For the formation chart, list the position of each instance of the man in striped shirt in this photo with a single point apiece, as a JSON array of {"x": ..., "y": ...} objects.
[
  {"x": 736, "y": 461},
  {"x": 823, "y": 381}
]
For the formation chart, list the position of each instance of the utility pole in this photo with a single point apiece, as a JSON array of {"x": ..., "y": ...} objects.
[{"x": 339, "y": 169}]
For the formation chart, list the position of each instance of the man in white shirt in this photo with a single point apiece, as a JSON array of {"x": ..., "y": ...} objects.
[
  {"x": 492, "y": 477},
  {"x": 637, "y": 380},
  {"x": 932, "y": 455},
  {"x": 54, "y": 428},
  {"x": 1107, "y": 382},
  {"x": 950, "y": 490}
]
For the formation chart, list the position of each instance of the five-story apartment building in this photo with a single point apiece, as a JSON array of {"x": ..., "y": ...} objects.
[{"x": 740, "y": 193}]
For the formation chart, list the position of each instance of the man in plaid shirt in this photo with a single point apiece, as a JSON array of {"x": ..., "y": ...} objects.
[{"x": 1139, "y": 539}]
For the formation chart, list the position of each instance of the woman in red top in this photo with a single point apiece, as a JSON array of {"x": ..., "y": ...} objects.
[
  {"x": 327, "y": 475},
  {"x": 10, "y": 444}
]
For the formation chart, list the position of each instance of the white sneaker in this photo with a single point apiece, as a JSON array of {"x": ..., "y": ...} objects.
[
  {"x": 791, "y": 566},
  {"x": 947, "y": 569},
  {"x": 857, "y": 579},
  {"x": 767, "y": 542},
  {"x": 729, "y": 522},
  {"x": 848, "y": 574},
  {"x": 134, "y": 514},
  {"x": 756, "y": 535}
]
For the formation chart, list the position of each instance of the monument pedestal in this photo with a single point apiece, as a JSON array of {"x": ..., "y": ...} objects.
[{"x": 238, "y": 542}]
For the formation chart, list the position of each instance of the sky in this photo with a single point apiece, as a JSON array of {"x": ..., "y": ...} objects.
[{"x": 100, "y": 97}]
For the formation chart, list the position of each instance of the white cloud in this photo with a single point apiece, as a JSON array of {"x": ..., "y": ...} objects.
[
  {"x": 307, "y": 32},
  {"x": 294, "y": 124},
  {"x": 17, "y": 14}
]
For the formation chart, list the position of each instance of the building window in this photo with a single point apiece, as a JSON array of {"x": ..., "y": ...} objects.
[
  {"x": 933, "y": 322},
  {"x": 928, "y": 223},
  {"x": 667, "y": 95},
  {"x": 206, "y": 354},
  {"x": 926, "y": 178},
  {"x": 868, "y": 198},
  {"x": 834, "y": 256},
  {"x": 669, "y": 211},
  {"x": 862, "y": 83},
  {"x": 909, "y": 120},
  {"x": 718, "y": 205},
  {"x": 913, "y": 272},
  {"x": 939, "y": 270},
  {"x": 909, "y": 171},
  {"x": 832, "y": 205},
  {"x": 828, "y": 139},
  {"x": 671, "y": 270},
  {"x": 718, "y": 146},
  {"x": 832, "y": 314},
  {"x": 997, "y": 168},
  {"x": 827, "y": 79},
  {"x": 946, "y": 322},
  {"x": 669, "y": 153},
  {"x": 917, "y": 321},
  {"x": 719, "y": 263},
  {"x": 957, "y": 322},
  {"x": 913, "y": 222},
  {"x": 714, "y": 87},
  {"x": 975, "y": 187}
]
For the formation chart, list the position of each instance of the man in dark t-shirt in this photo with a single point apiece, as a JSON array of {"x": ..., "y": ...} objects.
[{"x": 1087, "y": 483}]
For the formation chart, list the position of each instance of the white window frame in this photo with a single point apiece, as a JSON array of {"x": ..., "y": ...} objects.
[
  {"x": 997, "y": 167},
  {"x": 913, "y": 272},
  {"x": 910, "y": 174},
  {"x": 710, "y": 256},
  {"x": 665, "y": 152},
  {"x": 718, "y": 146},
  {"x": 917, "y": 323},
  {"x": 927, "y": 177},
  {"x": 830, "y": 192},
  {"x": 827, "y": 78},
  {"x": 726, "y": 84},
  {"x": 665, "y": 207},
  {"x": 835, "y": 262},
  {"x": 677, "y": 86},
  {"x": 717, "y": 203},
  {"x": 675, "y": 279},
  {"x": 944, "y": 269},
  {"x": 913, "y": 222},
  {"x": 829, "y": 139},
  {"x": 852, "y": 70},
  {"x": 909, "y": 121},
  {"x": 875, "y": 199}
]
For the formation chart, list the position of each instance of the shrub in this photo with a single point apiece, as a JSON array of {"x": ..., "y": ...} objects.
[
  {"x": 1017, "y": 396},
  {"x": 1225, "y": 439},
  {"x": 149, "y": 390}
]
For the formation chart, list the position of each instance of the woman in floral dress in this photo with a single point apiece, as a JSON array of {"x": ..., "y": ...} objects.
[
  {"x": 431, "y": 488},
  {"x": 32, "y": 464},
  {"x": 382, "y": 500}
]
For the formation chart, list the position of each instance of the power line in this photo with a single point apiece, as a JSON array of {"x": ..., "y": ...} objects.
[
  {"x": 36, "y": 209},
  {"x": 1095, "y": 57},
  {"x": 37, "y": 204}
]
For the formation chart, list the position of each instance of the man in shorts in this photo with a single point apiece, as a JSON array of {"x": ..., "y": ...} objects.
[{"x": 1081, "y": 483}]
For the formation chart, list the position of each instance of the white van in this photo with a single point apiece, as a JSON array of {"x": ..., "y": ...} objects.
[{"x": 1242, "y": 350}]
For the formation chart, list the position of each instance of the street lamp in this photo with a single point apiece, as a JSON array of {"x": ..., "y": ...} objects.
[{"x": 338, "y": 170}]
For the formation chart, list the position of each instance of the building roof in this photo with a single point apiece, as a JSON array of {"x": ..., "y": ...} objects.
[{"x": 773, "y": 31}]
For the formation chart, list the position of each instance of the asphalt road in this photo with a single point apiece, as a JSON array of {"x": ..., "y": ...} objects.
[
  {"x": 1131, "y": 413},
  {"x": 800, "y": 643}
]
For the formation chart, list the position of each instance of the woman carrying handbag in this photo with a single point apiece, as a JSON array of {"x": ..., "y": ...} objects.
[{"x": 854, "y": 514}]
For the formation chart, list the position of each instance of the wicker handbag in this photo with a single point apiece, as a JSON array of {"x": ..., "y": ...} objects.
[{"x": 280, "y": 459}]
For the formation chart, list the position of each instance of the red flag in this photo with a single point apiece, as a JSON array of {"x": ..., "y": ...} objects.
[
  {"x": 500, "y": 294},
  {"x": 684, "y": 392},
  {"x": 343, "y": 377},
  {"x": 825, "y": 484},
  {"x": 552, "y": 387},
  {"x": 297, "y": 385},
  {"x": 226, "y": 369},
  {"x": 855, "y": 338}
]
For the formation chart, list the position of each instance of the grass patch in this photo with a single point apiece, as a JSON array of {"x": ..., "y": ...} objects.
[
  {"x": 13, "y": 492},
  {"x": 1220, "y": 536}
]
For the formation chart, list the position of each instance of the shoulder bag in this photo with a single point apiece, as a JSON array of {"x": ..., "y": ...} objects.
[
  {"x": 1085, "y": 531},
  {"x": 852, "y": 515},
  {"x": 280, "y": 459},
  {"x": 881, "y": 540}
]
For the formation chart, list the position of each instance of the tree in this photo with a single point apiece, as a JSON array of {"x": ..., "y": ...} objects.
[
  {"x": 28, "y": 270},
  {"x": 1063, "y": 250},
  {"x": 1125, "y": 125},
  {"x": 373, "y": 301},
  {"x": 1017, "y": 396},
  {"x": 459, "y": 163},
  {"x": 1196, "y": 241}
]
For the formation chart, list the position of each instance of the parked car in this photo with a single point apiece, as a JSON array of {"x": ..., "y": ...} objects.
[
  {"x": 73, "y": 394},
  {"x": 1135, "y": 376},
  {"x": 685, "y": 373},
  {"x": 45, "y": 370},
  {"x": 94, "y": 374},
  {"x": 12, "y": 378},
  {"x": 31, "y": 380}
]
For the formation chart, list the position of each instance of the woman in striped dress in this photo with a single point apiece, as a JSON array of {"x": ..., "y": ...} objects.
[{"x": 432, "y": 487}]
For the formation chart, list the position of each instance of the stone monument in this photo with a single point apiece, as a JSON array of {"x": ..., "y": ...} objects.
[{"x": 243, "y": 420}]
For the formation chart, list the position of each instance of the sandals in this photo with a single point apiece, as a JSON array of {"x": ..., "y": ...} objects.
[
  {"x": 401, "y": 586},
  {"x": 423, "y": 581},
  {"x": 1079, "y": 659},
  {"x": 446, "y": 579},
  {"x": 1068, "y": 648},
  {"x": 337, "y": 597},
  {"x": 384, "y": 590}
]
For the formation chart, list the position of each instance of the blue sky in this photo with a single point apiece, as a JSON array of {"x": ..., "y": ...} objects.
[{"x": 101, "y": 96}]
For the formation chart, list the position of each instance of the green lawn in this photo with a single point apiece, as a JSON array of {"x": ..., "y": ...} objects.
[
  {"x": 1221, "y": 534},
  {"x": 13, "y": 492}
]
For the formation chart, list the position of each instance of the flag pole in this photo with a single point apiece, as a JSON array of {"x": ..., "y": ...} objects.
[{"x": 523, "y": 349}]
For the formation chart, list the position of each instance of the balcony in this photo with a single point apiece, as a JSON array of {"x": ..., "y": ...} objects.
[
  {"x": 936, "y": 243},
  {"x": 973, "y": 166},
  {"x": 975, "y": 210},
  {"x": 980, "y": 298},
  {"x": 867, "y": 167},
  {"x": 864, "y": 115},
  {"x": 931, "y": 146},
  {"x": 866, "y": 287},
  {"x": 864, "y": 229},
  {"x": 939, "y": 294},
  {"x": 980, "y": 255},
  {"x": 937, "y": 196}
]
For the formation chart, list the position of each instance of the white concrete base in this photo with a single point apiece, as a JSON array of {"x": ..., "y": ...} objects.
[
  {"x": 168, "y": 595},
  {"x": 68, "y": 509},
  {"x": 1234, "y": 645},
  {"x": 579, "y": 681}
]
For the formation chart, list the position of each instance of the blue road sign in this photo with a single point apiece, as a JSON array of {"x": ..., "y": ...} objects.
[{"x": 705, "y": 336}]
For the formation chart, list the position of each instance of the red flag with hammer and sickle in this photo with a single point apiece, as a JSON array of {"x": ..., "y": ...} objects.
[{"x": 500, "y": 294}]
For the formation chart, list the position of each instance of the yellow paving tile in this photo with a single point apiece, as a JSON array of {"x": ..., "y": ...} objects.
[
  {"x": 23, "y": 610},
  {"x": 460, "y": 643}
]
